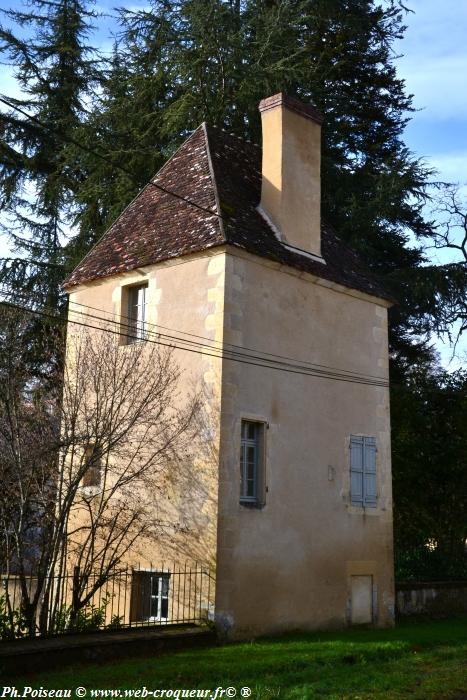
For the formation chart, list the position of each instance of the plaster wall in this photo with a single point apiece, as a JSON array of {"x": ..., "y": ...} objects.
[
  {"x": 290, "y": 563},
  {"x": 291, "y": 181},
  {"x": 294, "y": 562},
  {"x": 185, "y": 304}
]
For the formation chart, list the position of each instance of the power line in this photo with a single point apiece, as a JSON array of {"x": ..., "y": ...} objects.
[
  {"x": 103, "y": 157},
  {"x": 238, "y": 350},
  {"x": 39, "y": 263},
  {"x": 231, "y": 354},
  {"x": 263, "y": 354},
  {"x": 234, "y": 357},
  {"x": 276, "y": 360},
  {"x": 382, "y": 384}
]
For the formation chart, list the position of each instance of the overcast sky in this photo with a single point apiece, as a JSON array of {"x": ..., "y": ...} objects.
[{"x": 434, "y": 66}]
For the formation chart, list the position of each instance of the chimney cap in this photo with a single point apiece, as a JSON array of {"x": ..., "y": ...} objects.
[{"x": 282, "y": 100}]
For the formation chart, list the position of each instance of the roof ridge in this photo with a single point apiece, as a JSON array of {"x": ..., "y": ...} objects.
[
  {"x": 167, "y": 162},
  {"x": 236, "y": 136},
  {"x": 221, "y": 171},
  {"x": 143, "y": 189},
  {"x": 213, "y": 179}
]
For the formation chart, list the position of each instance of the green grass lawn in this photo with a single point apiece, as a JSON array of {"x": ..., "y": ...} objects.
[{"x": 419, "y": 660}]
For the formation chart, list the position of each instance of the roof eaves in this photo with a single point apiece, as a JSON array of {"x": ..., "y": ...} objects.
[{"x": 162, "y": 261}]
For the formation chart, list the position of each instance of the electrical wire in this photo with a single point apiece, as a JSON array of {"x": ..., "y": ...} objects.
[
  {"x": 230, "y": 347},
  {"x": 106, "y": 159},
  {"x": 39, "y": 263},
  {"x": 268, "y": 358},
  {"x": 238, "y": 354},
  {"x": 219, "y": 353},
  {"x": 242, "y": 348}
]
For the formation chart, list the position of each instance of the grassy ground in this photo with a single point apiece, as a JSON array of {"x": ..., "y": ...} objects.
[{"x": 419, "y": 660}]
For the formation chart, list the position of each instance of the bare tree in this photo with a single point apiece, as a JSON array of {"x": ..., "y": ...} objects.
[
  {"x": 28, "y": 437},
  {"x": 450, "y": 234},
  {"x": 90, "y": 470}
]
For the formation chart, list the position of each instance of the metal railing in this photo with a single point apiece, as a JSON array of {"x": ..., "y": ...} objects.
[{"x": 128, "y": 598}]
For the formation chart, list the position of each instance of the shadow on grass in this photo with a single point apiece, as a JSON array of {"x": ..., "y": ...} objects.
[{"x": 418, "y": 659}]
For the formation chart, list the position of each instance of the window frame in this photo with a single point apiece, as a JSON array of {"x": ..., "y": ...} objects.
[
  {"x": 257, "y": 443},
  {"x": 89, "y": 481},
  {"x": 160, "y": 597},
  {"x": 136, "y": 323},
  {"x": 142, "y": 583}
]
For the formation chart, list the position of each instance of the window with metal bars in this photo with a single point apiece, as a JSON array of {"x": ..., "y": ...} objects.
[
  {"x": 251, "y": 463},
  {"x": 149, "y": 596}
]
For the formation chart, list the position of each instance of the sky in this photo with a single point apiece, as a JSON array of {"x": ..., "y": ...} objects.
[
  {"x": 433, "y": 63},
  {"x": 434, "y": 66},
  {"x": 432, "y": 59}
]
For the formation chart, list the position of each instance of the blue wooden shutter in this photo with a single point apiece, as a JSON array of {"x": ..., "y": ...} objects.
[
  {"x": 369, "y": 466},
  {"x": 363, "y": 471},
  {"x": 356, "y": 470}
]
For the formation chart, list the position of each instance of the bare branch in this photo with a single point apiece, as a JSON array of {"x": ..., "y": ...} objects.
[{"x": 117, "y": 413}]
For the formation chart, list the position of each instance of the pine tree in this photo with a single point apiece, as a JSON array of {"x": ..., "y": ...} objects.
[
  {"x": 125, "y": 130},
  {"x": 219, "y": 58},
  {"x": 429, "y": 441},
  {"x": 38, "y": 178},
  {"x": 54, "y": 74}
]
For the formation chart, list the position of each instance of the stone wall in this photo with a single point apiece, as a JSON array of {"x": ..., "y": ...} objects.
[{"x": 436, "y": 598}]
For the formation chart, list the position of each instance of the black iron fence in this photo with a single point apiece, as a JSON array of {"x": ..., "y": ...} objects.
[{"x": 129, "y": 597}]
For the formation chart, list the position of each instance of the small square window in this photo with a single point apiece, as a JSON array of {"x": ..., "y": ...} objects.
[
  {"x": 252, "y": 463},
  {"x": 136, "y": 321},
  {"x": 150, "y": 592}
]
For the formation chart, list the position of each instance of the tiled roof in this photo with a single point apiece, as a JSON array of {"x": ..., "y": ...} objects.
[{"x": 220, "y": 173}]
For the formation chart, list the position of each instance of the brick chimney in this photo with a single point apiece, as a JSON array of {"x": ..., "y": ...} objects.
[{"x": 291, "y": 179}]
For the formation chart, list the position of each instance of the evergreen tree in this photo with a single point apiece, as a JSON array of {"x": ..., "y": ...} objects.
[
  {"x": 38, "y": 177},
  {"x": 218, "y": 58},
  {"x": 125, "y": 130},
  {"x": 429, "y": 442},
  {"x": 54, "y": 74}
]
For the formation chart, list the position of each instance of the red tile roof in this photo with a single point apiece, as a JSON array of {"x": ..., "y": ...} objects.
[{"x": 220, "y": 173}]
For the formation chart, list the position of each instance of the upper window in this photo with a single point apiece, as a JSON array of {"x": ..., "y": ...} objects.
[
  {"x": 363, "y": 471},
  {"x": 92, "y": 463},
  {"x": 251, "y": 463},
  {"x": 137, "y": 318}
]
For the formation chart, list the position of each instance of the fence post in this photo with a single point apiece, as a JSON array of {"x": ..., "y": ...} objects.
[{"x": 74, "y": 596}]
